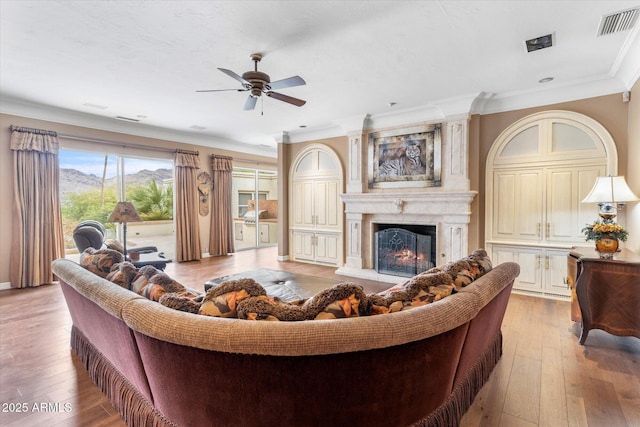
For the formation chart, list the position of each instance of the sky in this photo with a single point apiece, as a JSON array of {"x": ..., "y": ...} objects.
[{"x": 93, "y": 163}]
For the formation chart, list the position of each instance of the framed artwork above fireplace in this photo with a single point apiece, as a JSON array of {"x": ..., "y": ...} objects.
[{"x": 408, "y": 157}]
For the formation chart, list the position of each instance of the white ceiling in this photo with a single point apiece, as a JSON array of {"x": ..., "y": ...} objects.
[{"x": 146, "y": 59}]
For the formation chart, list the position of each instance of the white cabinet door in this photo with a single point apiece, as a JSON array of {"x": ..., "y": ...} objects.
[
  {"x": 327, "y": 250},
  {"x": 326, "y": 202},
  {"x": 565, "y": 214},
  {"x": 542, "y": 270},
  {"x": 517, "y": 205},
  {"x": 303, "y": 204},
  {"x": 530, "y": 261},
  {"x": 556, "y": 272},
  {"x": 322, "y": 248},
  {"x": 303, "y": 246}
]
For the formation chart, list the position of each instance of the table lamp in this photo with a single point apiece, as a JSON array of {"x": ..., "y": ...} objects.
[
  {"x": 124, "y": 212},
  {"x": 611, "y": 193}
]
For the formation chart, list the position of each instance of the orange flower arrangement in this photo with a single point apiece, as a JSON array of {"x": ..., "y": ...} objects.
[{"x": 598, "y": 229}]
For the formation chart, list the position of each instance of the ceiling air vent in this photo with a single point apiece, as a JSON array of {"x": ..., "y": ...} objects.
[
  {"x": 128, "y": 119},
  {"x": 538, "y": 43},
  {"x": 616, "y": 22}
]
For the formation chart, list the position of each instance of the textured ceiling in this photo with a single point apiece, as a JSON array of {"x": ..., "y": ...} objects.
[{"x": 86, "y": 62}]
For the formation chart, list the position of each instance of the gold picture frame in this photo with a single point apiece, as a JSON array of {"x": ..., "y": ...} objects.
[{"x": 408, "y": 157}]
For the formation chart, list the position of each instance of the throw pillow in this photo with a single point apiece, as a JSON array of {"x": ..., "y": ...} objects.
[
  {"x": 160, "y": 284},
  {"x": 340, "y": 301},
  {"x": 115, "y": 245},
  {"x": 100, "y": 261},
  {"x": 269, "y": 308},
  {"x": 222, "y": 300},
  {"x": 123, "y": 274},
  {"x": 182, "y": 302},
  {"x": 142, "y": 280}
]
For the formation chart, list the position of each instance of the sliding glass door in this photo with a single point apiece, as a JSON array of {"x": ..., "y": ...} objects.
[
  {"x": 255, "y": 207},
  {"x": 92, "y": 183}
]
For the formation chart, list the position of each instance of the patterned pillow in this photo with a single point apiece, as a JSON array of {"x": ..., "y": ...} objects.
[
  {"x": 142, "y": 279},
  {"x": 115, "y": 245},
  {"x": 100, "y": 261},
  {"x": 481, "y": 257},
  {"x": 269, "y": 308},
  {"x": 340, "y": 301},
  {"x": 179, "y": 301},
  {"x": 160, "y": 284},
  {"x": 123, "y": 274},
  {"x": 222, "y": 300}
]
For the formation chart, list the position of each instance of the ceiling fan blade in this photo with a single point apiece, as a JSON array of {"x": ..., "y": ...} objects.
[
  {"x": 290, "y": 82},
  {"x": 234, "y": 76},
  {"x": 250, "y": 104},
  {"x": 291, "y": 100},
  {"x": 223, "y": 90}
]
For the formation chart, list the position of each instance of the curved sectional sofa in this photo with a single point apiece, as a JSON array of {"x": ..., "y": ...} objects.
[{"x": 160, "y": 366}]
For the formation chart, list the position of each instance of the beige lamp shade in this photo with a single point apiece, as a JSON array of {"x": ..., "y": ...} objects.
[
  {"x": 610, "y": 189},
  {"x": 124, "y": 212}
]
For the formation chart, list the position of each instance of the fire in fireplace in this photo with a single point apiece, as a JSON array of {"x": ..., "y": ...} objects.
[{"x": 404, "y": 250}]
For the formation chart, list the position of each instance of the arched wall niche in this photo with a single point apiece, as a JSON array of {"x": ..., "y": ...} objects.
[
  {"x": 538, "y": 171},
  {"x": 315, "y": 208}
]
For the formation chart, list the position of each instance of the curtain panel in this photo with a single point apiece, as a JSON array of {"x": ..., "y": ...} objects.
[
  {"x": 221, "y": 232},
  {"x": 37, "y": 220},
  {"x": 187, "y": 225}
]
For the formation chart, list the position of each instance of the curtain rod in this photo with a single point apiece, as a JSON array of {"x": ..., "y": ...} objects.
[
  {"x": 126, "y": 144},
  {"x": 14, "y": 128}
]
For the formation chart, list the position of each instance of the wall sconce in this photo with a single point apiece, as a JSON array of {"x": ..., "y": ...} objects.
[{"x": 611, "y": 193}]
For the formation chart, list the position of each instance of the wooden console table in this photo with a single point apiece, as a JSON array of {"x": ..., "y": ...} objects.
[{"x": 607, "y": 292}]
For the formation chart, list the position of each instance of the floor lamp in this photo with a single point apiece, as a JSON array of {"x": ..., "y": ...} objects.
[{"x": 124, "y": 212}]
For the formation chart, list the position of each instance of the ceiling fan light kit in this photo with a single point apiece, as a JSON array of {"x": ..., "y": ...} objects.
[{"x": 257, "y": 83}]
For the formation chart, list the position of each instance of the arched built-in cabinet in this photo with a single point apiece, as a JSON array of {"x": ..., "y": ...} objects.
[
  {"x": 538, "y": 171},
  {"x": 315, "y": 206}
]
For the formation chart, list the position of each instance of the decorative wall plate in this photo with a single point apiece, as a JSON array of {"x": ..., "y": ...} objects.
[{"x": 204, "y": 187}]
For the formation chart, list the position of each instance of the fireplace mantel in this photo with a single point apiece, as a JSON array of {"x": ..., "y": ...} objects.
[{"x": 454, "y": 203}]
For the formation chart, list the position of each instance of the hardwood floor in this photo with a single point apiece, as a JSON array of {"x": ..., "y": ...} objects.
[{"x": 545, "y": 378}]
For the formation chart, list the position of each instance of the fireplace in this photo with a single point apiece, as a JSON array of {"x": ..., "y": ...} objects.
[
  {"x": 404, "y": 250},
  {"x": 447, "y": 208}
]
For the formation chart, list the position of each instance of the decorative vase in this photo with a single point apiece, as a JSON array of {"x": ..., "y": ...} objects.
[{"x": 607, "y": 246}]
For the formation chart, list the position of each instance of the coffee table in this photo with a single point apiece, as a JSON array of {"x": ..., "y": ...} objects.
[{"x": 282, "y": 284}]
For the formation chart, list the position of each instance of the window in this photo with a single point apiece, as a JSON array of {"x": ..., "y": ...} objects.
[
  {"x": 244, "y": 201},
  {"x": 91, "y": 184},
  {"x": 255, "y": 192}
]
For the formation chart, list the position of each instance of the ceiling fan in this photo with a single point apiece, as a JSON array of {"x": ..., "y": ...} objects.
[{"x": 258, "y": 83}]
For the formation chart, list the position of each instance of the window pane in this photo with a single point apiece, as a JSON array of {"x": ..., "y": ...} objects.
[
  {"x": 306, "y": 163},
  {"x": 326, "y": 163},
  {"x": 255, "y": 201},
  {"x": 524, "y": 143},
  {"x": 87, "y": 192},
  {"x": 149, "y": 186},
  {"x": 570, "y": 138},
  {"x": 90, "y": 188}
]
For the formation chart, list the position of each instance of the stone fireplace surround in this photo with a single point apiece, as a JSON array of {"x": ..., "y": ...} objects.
[{"x": 447, "y": 207}]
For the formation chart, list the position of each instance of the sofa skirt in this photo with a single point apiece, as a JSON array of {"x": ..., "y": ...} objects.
[{"x": 133, "y": 407}]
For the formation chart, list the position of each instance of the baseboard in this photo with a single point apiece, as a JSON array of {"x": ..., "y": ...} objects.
[
  {"x": 283, "y": 258},
  {"x": 5, "y": 286}
]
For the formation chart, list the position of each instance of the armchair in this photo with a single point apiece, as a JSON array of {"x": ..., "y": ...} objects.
[{"x": 91, "y": 234}]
